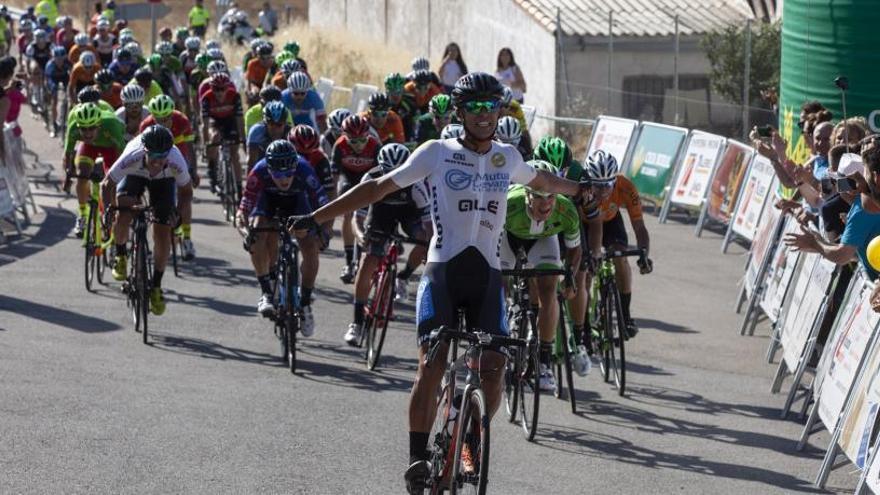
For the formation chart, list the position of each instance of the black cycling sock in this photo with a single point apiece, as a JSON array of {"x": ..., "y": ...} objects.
[
  {"x": 418, "y": 446},
  {"x": 305, "y": 295},
  {"x": 577, "y": 331},
  {"x": 121, "y": 250},
  {"x": 157, "y": 277},
  {"x": 349, "y": 254},
  {"x": 625, "y": 299},
  {"x": 265, "y": 283},
  {"x": 546, "y": 352},
  {"x": 406, "y": 273},
  {"x": 273, "y": 274},
  {"x": 359, "y": 312}
]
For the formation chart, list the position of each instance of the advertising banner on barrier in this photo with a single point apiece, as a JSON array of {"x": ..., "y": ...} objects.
[
  {"x": 613, "y": 135},
  {"x": 727, "y": 181},
  {"x": 654, "y": 157},
  {"x": 807, "y": 298},
  {"x": 695, "y": 171},
  {"x": 779, "y": 274},
  {"x": 360, "y": 93},
  {"x": 873, "y": 478},
  {"x": 757, "y": 187},
  {"x": 761, "y": 245},
  {"x": 857, "y": 427},
  {"x": 847, "y": 348}
]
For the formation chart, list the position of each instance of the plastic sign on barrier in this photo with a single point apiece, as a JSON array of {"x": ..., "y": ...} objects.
[
  {"x": 760, "y": 246},
  {"x": 695, "y": 172},
  {"x": 727, "y": 181},
  {"x": 529, "y": 112},
  {"x": 324, "y": 87},
  {"x": 613, "y": 135},
  {"x": 7, "y": 206},
  {"x": 360, "y": 94},
  {"x": 779, "y": 274},
  {"x": 653, "y": 159},
  {"x": 806, "y": 298},
  {"x": 756, "y": 189},
  {"x": 857, "y": 427},
  {"x": 873, "y": 475}
]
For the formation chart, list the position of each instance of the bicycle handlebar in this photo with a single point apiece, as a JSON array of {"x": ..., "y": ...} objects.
[
  {"x": 608, "y": 255},
  {"x": 534, "y": 272},
  {"x": 407, "y": 240},
  {"x": 477, "y": 338}
]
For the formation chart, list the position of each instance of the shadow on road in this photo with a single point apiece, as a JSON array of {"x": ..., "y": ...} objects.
[
  {"x": 211, "y": 350},
  {"x": 345, "y": 376},
  {"x": 220, "y": 272},
  {"x": 663, "y": 326},
  {"x": 56, "y": 316},
  {"x": 54, "y": 229},
  {"x": 214, "y": 304}
]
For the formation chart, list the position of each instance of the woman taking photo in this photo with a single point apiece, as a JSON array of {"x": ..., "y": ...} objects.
[
  {"x": 452, "y": 67},
  {"x": 508, "y": 73}
]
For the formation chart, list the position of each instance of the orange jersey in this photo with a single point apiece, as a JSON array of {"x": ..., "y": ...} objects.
[
  {"x": 255, "y": 72},
  {"x": 113, "y": 95},
  {"x": 279, "y": 81},
  {"x": 625, "y": 195},
  {"x": 76, "y": 51},
  {"x": 180, "y": 128},
  {"x": 422, "y": 101},
  {"x": 82, "y": 76},
  {"x": 392, "y": 131}
]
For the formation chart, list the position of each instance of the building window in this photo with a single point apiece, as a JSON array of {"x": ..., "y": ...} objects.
[{"x": 652, "y": 98}]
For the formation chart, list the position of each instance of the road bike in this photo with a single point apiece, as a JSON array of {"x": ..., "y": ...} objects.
[
  {"x": 138, "y": 284},
  {"x": 564, "y": 348},
  {"x": 96, "y": 233},
  {"x": 227, "y": 187}
]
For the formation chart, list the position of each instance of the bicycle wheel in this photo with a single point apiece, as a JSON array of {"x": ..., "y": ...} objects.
[
  {"x": 441, "y": 446},
  {"x": 512, "y": 369},
  {"x": 91, "y": 260},
  {"x": 529, "y": 386},
  {"x": 565, "y": 361},
  {"x": 292, "y": 315},
  {"x": 619, "y": 328},
  {"x": 609, "y": 338},
  {"x": 280, "y": 302},
  {"x": 379, "y": 326},
  {"x": 175, "y": 247},
  {"x": 143, "y": 282},
  {"x": 473, "y": 431},
  {"x": 604, "y": 343}
]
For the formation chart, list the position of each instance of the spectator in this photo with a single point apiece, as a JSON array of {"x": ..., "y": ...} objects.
[
  {"x": 452, "y": 67},
  {"x": 11, "y": 97},
  {"x": 199, "y": 19},
  {"x": 509, "y": 74},
  {"x": 268, "y": 19}
]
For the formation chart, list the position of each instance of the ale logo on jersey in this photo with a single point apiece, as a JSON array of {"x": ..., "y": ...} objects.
[{"x": 459, "y": 180}]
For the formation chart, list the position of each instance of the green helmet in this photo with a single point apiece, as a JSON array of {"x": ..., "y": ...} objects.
[
  {"x": 87, "y": 115},
  {"x": 155, "y": 60},
  {"x": 161, "y": 106},
  {"x": 292, "y": 47},
  {"x": 202, "y": 60},
  {"x": 394, "y": 83},
  {"x": 181, "y": 33},
  {"x": 126, "y": 32},
  {"x": 440, "y": 104},
  {"x": 547, "y": 167},
  {"x": 283, "y": 56},
  {"x": 553, "y": 150}
]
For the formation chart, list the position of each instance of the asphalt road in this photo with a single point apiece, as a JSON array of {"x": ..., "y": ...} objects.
[{"x": 207, "y": 406}]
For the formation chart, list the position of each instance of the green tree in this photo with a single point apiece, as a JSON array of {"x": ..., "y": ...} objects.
[{"x": 726, "y": 52}]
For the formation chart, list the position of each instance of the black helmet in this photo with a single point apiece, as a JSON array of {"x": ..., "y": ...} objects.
[
  {"x": 476, "y": 86},
  {"x": 264, "y": 50},
  {"x": 123, "y": 55},
  {"x": 281, "y": 155},
  {"x": 89, "y": 94},
  {"x": 104, "y": 76},
  {"x": 157, "y": 139},
  {"x": 270, "y": 93},
  {"x": 422, "y": 78},
  {"x": 378, "y": 102},
  {"x": 144, "y": 76}
]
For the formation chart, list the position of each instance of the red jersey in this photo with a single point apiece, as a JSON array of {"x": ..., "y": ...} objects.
[
  {"x": 64, "y": 37},
  {"x": 352, "y": 163},
  {"x": 222, "y": 105},
  {"x": 181, "y": 128},
  {"x": 205, "y": 85},
  {"x": 321, "y": 165}
]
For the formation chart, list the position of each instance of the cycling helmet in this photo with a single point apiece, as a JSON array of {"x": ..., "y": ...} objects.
[
  {"x": 422, "y": 78},
  {"x": 125, "y": 38},
  {"x": 102, "y": 24},
  {"x": 88, "y": 95},
  {"x": 508, "y": 130},
  {"x": 270, "y": 93},
  {"x": 120, "y": 24},
  {"x": 111, "y": 4},
  {"x": 41, "y": 35},
  {"x": 58, "y": 51},
  {"x": 220, "y": 79},
  {"x": 212, "y": 44},
  {"x": 129, "y": 31},
  {"x": 337, "y": 117},
  {"x": 87, "y": 59},
  {"x": 181, "y": 33},
  {"x": 264, "y": 50},
  {"x": 193, "y": 43},
  {"x": 601, "y": 166},
  {"x": 161, "y": 106},
  {"x": 305, "y": 138},
  {"x": 420, "y": 63},
  {"x": 439, "y": 105},
  {"x": 27, "y": 26},
  {"x": 255, "y": 43},
  {"x": 355, "y": 126},
  {"x": 104, "y": 77},
  {"x": 87, "y": 115},
  {"x": 506, "y": 96},
  {"x": 123, "y": 54},
  {"x": 452, "y": 131},
  {"x": 394, "y": 82},
  {"x": 378, "y": 102},
  {"x": 42, "y": 20},
  {"x": 476, "y": 86},
  {"x": 157, "y": 140},
  {"x": 81, "y": 39},
  {"x": 274, "y": 111},
  {"x": 164, "y": 48},
  {"x": 132, "y": 94},
  {"x": 392, "y": 155},
  {"x": 217, "y": 67},
  {"x": 553, "y": 150},
  {"x": 241, "y": 16},
  {"x": 143, "y": 76},
  {"x": 134, "y": 48},
  {"x": 155, "y": 59},
  {"x": 299, "y": 81},
  {"x": 547, "y": 167},
  {"x": 216, "y": 54},
  {"x": 292, "y": 47},
  {"x": 281, "y": 156},
  {"x": 291, "y": 66},
  {"x": 202, "y": 60},
  {"x": 282, "y": 57}
]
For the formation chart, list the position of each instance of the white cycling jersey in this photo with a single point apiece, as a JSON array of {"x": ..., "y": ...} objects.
[
  {"x": 131, "y": 162},
  {"x": 468, "y": 194}
]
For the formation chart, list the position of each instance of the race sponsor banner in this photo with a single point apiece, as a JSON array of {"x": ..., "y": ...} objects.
[
  {"x": 782, "y": 268},
  {"x": 761, "y": 246},
  {"x": 360, "y": 93},
  {"x": 727, "y": 181},
  {"x": 873, "y": 476},
  {"x": 16, "y": 175},
  {"x": 846, "y": 349},
  {"x": 696, "y": 168},
  {"x": 848, "y": 305},
  {"x": 613, "y": 135},
  {"x": 756, "y": 189},
  {"x": 858, "y": 426},
  {"x": 653, "y": 158},
  {"x": 804, "y": 303}
]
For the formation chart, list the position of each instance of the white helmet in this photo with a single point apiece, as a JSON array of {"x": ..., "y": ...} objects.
[
  {"x": 81, "y": 39},
  {"x": 192, "y": 43},
  {"x": 420, "y": 63},
  {"x": 506, "y": 96},
  {"x": 217, "y": 67},
  {"x": 508, "y": 130},
  {"x": 135, "y": 48},
  {"x": 87, "y": 59},
  {"x": 299, "y": 81},
  {"x": 336, "y": 117},
  {"x": 452, "y": 131},
  {"x": 103, "y": 23},
  {"x": 602, "y": 167},
  {"x": 212, "y": 44},
  {"x": 132, "y": 93},
  {"x": 392, "y": 155}
]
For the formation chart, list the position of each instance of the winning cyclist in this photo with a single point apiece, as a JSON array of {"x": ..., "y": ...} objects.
[
  {"x": 280, "y": 185},
  {"x": 468, "y": 180}
]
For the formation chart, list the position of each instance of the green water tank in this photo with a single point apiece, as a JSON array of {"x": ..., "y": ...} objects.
[{"x": 821, "y": 40}]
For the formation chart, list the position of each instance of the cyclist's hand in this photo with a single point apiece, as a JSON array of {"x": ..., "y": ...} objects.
[
  {"x": 300, "y": 225},
  {"x": 592, "y": 264},
  {"x": 646, "y": 266},
  {"x": 569, "y": 289},
  {"x": 240, "y": 220}
]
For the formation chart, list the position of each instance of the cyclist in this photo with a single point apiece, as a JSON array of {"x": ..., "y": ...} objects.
[
  {"x": 334, "y": 129},
  {"x": 80, "y": 44},
  {"x": 111, "y": 91},
  {"x": 510, "y": 132},
  {"x": 222, "y": 118},
  {"x": 143, "y": 77},
  {"x": 556, "y": 151},
  {"x": 98, "y": 134},
  {"x": 66, "y": 35},
  {"x": 469, "y": 190},
  {"x": 512, "y": 108},
  {"x": 254, "y": 114},
  {"x": 422, "y": 64},
  {"x": 38, "y": 53},
  {"x": 439, "y": 116},
  {"x": 25, "y": 37},
  {"x": 214, "y": 67},
  {"x": 407, "y": 207},
  {"x": 402, "y": 103},
  {"x": 354, "y": 153},
  {"x": 282, "y": 184},
  {"x": 188, "y": 56},
  {"x": 195, "y": 77},
  {"x": 199, "y": 18},
  {"x": 385, "y": 123},
  {"x": 293, "y": 48},
  {"x": 179, "y": 44},
  {"x": 304, "y": 103},
  {"x": 273, "y": 127},
  {"x": 422, "y": 89},
  {"x": 307, "y": 143},
  {"x": 57, "y": 73},
  {"x": 136, "y": 53},
  {"x": 149, "y": 162},
  {"x": 82, "y": 74},
  {"x": 43, "y": 23},
  {"x": 534, "y": 219},
  {"x": 103, "y": 41},
  {"x": 251, "y": 52},
  {"x": 604, "y": 226},
  {"x": 123, "y": 66},
  {"x": 452, "y": 131},
  {"x": 286, "y": 69},
  {"x": 132, "y": 112},
  {"x": 258, "y": 71},
  {"x": 168, "y": 72},
  {"x": 166, "y": 34}
]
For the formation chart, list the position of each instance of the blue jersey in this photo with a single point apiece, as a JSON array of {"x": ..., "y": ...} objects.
[
  {"x": 305, "y": 190},
  {"x": 118, "y": 76},
  {"x": 306, "y": 113},
  {"x": 258, "y": 137},
  {"x": 58, "y": 72}
]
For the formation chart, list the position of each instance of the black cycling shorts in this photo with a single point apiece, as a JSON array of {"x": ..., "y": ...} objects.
[
  {"x": 613, "y": 233},
  {"x": 228, "y": 128},
  {"x": 162, "y": 194},
  {"x": 347, "y": 180},
  {"x": 382, "y": 221},
  {"x": 466, "y": 281}
]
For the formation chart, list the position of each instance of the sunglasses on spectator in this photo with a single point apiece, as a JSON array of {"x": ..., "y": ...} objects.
[
  {"x": 477, "y": 107},
  {"x": 283, "y": 174}
]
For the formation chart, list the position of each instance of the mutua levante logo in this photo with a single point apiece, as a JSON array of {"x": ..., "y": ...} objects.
[{"x": 459, "y": 180}]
